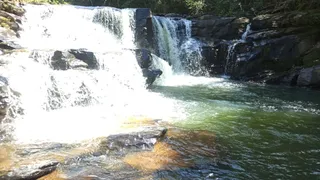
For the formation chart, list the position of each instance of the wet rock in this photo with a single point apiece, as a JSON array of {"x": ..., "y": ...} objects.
[
  {"x": 4, "y": 97},
  {"x": 309, "y": 77},
  {"x": 144, "y": 58},
  {"x": 151, "y": 75},
  {"x": 144, "y": 28},
  {"x": 31, "y": 172},
  {"x": 312, "y": 57},
  {"x": 174, "y": 15},
  {"x": 86, "y": 56},
  {"x": 286, "y": 78},
  {"x": 65, "y": 60},
  {"x": 215, "y": 57},
  {"x": 267, "y": 57},
  {"x": 285, "y": 20},
  {"x": 8, "y": 45},
  {"x": 133, "y": 141},
  {"x": 219, "y": 27}
]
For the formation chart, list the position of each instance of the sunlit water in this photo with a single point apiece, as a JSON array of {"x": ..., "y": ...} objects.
[{"x": 220, "y": 128}]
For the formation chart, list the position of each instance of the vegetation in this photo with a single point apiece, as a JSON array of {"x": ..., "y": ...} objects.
[{"x": 198, "y": 7}]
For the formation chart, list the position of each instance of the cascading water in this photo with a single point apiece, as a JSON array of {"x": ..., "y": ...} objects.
[
  {"x": 233, "y": 45},
  {"x": 76, "y": 104},
  {"x": 175, "y": 45}
]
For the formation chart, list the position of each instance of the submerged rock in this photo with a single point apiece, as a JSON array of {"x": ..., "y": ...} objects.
[
  {"x": 309, "y": 77},
  {"x": 133, "y": 141},
  {"x": 31, "y": 172}
]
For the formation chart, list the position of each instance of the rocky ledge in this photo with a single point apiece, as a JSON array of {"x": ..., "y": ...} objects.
[{"x": 281, "y": 48}]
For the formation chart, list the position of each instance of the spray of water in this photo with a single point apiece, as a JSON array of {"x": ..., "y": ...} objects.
[
  {"x": 176, "y": 46},
  {"x": 77, "y": 104}
]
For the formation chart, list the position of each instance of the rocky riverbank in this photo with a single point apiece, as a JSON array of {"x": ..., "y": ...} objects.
[{"x": 281, "y": 48}]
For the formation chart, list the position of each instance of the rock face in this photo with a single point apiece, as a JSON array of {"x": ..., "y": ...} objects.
[
  {"x": 65, "y": 60},
  {"x": 30, "y": 172},
  {"x": 140, "y": 140},
  {"x": 144, "y": 30},
  {"x": 213, "y": 28},
  {"x": 282, "y": 48},
  {"x": 82, "y": 59}
]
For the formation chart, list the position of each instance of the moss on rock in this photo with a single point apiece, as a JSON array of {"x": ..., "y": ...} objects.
[{"x": 11, "y": 7}]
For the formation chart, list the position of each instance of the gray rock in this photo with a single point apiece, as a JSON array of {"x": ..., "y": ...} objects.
[
  {"x": 285, "y": 20},
  {"x": 86, "y": 56},
  {"x": 65, "y": 60},
  {"x": 309, "y": 77},
  {"x": 133, "y": 141},
  {"x": 227, "y": 28},
  {"x": 31, "y": 172}
]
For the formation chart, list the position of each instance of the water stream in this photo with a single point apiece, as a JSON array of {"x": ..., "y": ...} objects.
[{"x": 218, "y": 128}]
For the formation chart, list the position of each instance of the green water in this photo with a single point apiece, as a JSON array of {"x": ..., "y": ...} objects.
[{"x": 261, "y": 132}]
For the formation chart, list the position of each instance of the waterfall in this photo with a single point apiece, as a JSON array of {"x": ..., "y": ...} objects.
[
  {"x": 63, "y": 27},
  {"x": 175, "y": 45},
  {"x": 232, "y": 46},
  {"x": 76, "y": 104}
]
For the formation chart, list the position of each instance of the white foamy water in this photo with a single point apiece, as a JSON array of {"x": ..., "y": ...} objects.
[
  {"x": 171, "y": 78},
  {"x": 78, "y": 104},
  {"x": 63, "y": 27},
  {"x": 176, "y": 45}
]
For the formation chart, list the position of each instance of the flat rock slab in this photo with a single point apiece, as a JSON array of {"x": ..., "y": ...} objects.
[
  {"x": 132, "y": 141},
  {"x": 31, "y": 172}
]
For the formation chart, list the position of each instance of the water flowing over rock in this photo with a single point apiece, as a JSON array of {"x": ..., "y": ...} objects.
[
  {"x": 269, "y": 50},
  {"x": 173, "y": 43},
  {"x": 144, "y": 32}
]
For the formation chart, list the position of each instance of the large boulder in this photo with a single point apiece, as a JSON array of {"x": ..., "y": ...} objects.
[
  {"x": 219, "y": 27},
  {"x": 65, "y": 60},
  {"x": 151, "y": 75},
  {"x": 312, "y": 57},
  {"x": 309, "y": 77},
  {"x": 286, "y": 20},
  {"x": 271, "y": 56},
  {"x": 215, "y": 57},
  {"x": 144, "y": 58},
  {"x": 143, "y": 139}
]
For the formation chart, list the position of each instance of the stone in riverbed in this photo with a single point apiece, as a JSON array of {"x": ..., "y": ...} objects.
[
  {"x": 30, "y": 172},
  {"x": 133, "y": 141},
  {"x": 151, "y": 75},
  {"x": 65, "y": 60}
]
